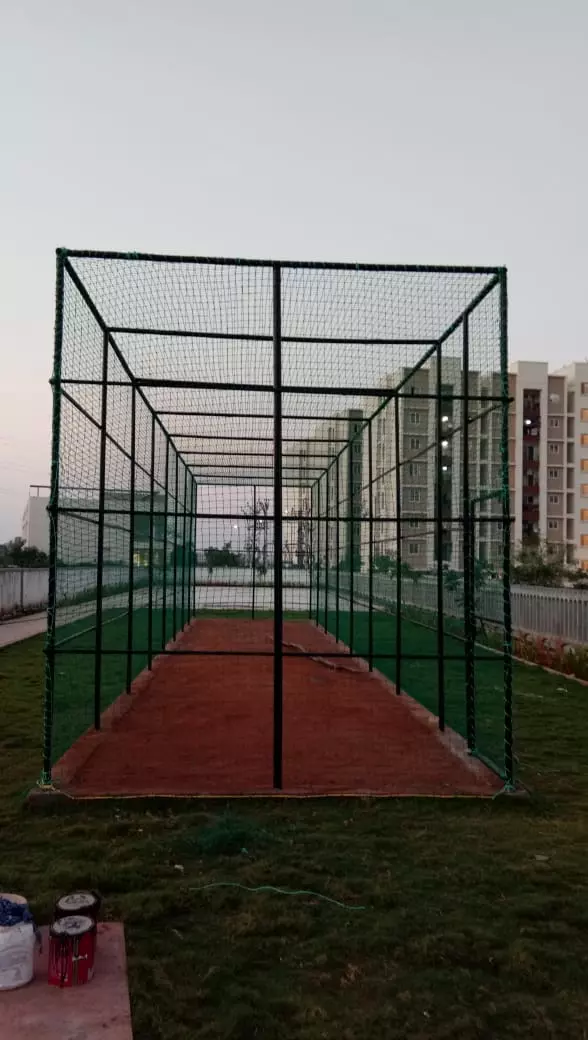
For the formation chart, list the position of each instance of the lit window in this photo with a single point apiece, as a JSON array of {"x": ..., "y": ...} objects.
[
  {"x": 553, "y": 525},
  {"x": 584, "y": 515},
  {"x": 584, "y": 414},
  {"x": 584, "y": 465},
  {"x": 584, "y": 565},
  {"x": 584, "y": 490},
  {"x": 584, "y": 438}
]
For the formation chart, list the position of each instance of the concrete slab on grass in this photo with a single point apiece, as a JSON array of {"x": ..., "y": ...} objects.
[{"x": 101, "y": 1008}]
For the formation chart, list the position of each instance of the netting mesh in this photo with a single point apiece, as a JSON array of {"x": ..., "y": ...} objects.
[{"x": 392, "y": 509}]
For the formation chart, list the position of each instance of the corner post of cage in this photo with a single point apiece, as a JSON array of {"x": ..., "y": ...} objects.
[
  {"x": 176, "y": 510},
  {"x": 326, "y": 552},
  {"x": 398, "y": 485},
  {"x": 278, "y": 509},
  {"x": 253, "y": 551},
  {"x": 318, "y": 549},
  {"x": 150, "y": 556},
  {"x": 337, "y": 550},
  {"x": 370, "y": 550},
  {"x": 467, "y": 545},
  {"x": 351, "y": 540},
  {"x": 506, "y": 536},
  {"x": 53, "y": 511},
  {"x": 100, "y": 540},
  {"x": 310, "y": 551},
  {"x": 131, "y": 554},
  {"x": 190, "y": 557},
  {"x": 439, "y": 538},
  {"x": 164, "y": 548},
  {"x": 194, "y": 577},
  {"x": 183, "y": 617}
]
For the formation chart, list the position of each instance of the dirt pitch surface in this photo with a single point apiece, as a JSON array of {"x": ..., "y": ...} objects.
[{"x": 202, "y": 725}]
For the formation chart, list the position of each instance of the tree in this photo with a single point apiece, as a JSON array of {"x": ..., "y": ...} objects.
[
  {"x": 17, "y": 554},
  {"x": 256, "y": 517},
  {"x": 540, "y": 565},
  {"x": 224, "y": 557}
]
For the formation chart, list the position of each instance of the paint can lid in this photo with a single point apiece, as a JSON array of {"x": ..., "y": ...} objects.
[
  {"x": 77, "y": 924},
  {"x": 78, "y": 903}
]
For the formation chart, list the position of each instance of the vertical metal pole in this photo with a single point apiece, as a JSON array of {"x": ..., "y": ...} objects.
[
  {"x": 53, "y": 511},
  {"x": 100, "y": 546},
  {"x": 184, "y": 540},
  {"x": 351, "y": 494},
  {"x": 337, "y": 551},
  {"x": 310, "y": 553},
  {"x": 195, "y": 571},
  {"x": 164, "y": 550},
  {"x": 398, "y": 485},
  {"x": 468, "y": 555},
  {"x": 370, "y": 553},
  {"x": 508, "y": 726},
  {"x": 439, "y": 546},
  {"x": 327, "y": 551},
  {"x": 175, "y": 578},
  {"x": 150, "y": 557},
  {"x": 318, "y": 550},
  {"x": 253, "y": 551},
  {"x": 278, "y": 602},
  {"x": 191, "y": 529},
  {"x": 131, "y": 605}
]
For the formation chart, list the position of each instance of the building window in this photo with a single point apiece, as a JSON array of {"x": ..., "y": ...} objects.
[
  {"x": 414, "y": 548},
  {"x": 584, "y": 539},
  {"x": 554, "y": 500},
  {"x": 553, "y": 525},
  {"x": 554, "y": 449},
  {"x": 584, "y": 414},
  {"x": 554, "y": 423},
  {"x": 584, "y": 388},
  {"x": 415, "y": 442},
  {"x": 584, "y": 438},
  {"x": 414, "y": 495},
  {"x": 553, "y": 474},
  {"x": 584, "y": 490},
  {"x": 584, "y": 465},
  {"x": 414, "y": 418},
  {"x": 414, "y": 469},
  {"x": 413, "y": 523},
  {"x": 584, "y": 515}
]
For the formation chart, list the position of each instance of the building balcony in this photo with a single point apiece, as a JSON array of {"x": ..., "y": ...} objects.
[
  {"x": 531, "y": 489},
  {"x": 530, "y": 464},
  {"x": 530, "y": 514}
]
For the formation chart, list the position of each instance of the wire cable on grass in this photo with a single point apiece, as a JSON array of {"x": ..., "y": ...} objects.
[{"x": 279, "y": 891}]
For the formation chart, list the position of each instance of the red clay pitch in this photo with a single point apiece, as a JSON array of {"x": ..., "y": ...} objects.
[{"x": 203, "y": 726}]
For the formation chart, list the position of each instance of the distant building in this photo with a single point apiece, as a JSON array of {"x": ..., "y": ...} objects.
[{"x": 35, "y": 521}]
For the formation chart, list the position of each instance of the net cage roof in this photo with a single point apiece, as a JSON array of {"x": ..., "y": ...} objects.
[{"x": 196, "y": 335}]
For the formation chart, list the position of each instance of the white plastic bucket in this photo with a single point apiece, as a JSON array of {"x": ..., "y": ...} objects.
[{"x": 17, "y": 950}]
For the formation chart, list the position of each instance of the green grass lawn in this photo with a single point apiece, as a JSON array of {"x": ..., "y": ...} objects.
[{"x": 475, "y": 923}]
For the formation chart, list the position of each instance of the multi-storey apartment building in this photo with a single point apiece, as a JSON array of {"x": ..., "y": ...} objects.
[{"x": 548, "y": 456}]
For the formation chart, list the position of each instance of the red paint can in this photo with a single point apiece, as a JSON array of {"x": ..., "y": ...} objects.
[{"x": 72, "y": 947}]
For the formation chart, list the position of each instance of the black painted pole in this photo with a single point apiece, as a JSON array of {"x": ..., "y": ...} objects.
[{"x": 278, "y": 507}]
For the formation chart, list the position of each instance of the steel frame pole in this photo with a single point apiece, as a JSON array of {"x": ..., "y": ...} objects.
[
  {"x": 253, "y": 552},
  {"x": 100, "y": 544},
  {"x": 150, "y": 557},
  {"x": 468, "y": 553},
  {"x": 370, "y": 553},
  {"x": 164, "y": 551},
  {"x": 131, "y": 554},
  {"x": 278, "y": 508},
  {"x": 175, "y": 579},
  {"x": 398, "y": 489},
  {"x": 509, "y": 768},
  {"x": 337, "y": 552},
  {"x": 53, "y": 511},
  {"x": 439, "y": 546}
]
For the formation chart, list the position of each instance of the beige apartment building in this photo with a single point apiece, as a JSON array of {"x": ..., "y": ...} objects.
[{"x": 548, "y": 455}]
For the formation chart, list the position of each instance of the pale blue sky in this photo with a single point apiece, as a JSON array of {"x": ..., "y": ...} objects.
[{"x": 377, "y": 130}]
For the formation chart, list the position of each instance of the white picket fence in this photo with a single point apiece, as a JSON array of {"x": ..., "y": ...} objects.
[{"x": 557, "y": 613}]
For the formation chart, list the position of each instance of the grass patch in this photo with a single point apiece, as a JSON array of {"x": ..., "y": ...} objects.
[{"x": 476, "y": 919}]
